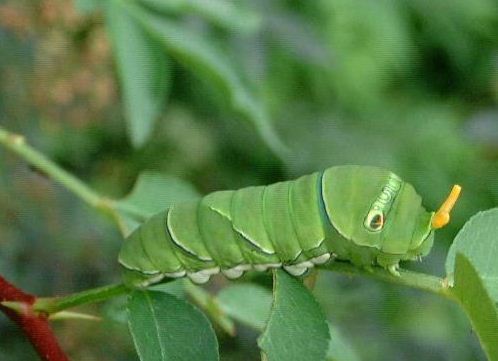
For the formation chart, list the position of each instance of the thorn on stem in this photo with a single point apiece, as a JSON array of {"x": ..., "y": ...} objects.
[{"x": 16, "y": 139}]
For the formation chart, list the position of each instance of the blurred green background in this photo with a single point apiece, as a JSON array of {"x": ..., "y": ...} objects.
[{"x": 411, "y": 85}]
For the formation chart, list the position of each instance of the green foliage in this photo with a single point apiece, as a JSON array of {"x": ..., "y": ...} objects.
[
  {"x": 339, "y": 348},
  {"x": 478, "y": 241},
  {"x": 223, "y": 13},
  {"x": 410, "y": 86},
  {"x": 175, "y": 288},
  {"x": 160, "y": 323},
  {"x": 373, "y": 48},
  {"x": 144, "y": 72},
  {"x": 249, "y": 304},
  {"x": 193, "y": 51},
  {"x": 152, "y": 193},
  {"x": 472, "y": 264},
  {"x": 296, "y": 329},
  {"x": 479, "y": 305}
]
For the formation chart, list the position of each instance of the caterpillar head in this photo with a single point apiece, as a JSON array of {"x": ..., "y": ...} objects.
[
  {"x": 373, "y": 207},
  {"x": 422, "y": 243}
]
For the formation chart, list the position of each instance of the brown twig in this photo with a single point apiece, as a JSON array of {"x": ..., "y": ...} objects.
[{"x": 34, "y": 326}]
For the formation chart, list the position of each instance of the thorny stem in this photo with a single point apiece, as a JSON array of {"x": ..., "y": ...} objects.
[{"x": 34, "y": 326}]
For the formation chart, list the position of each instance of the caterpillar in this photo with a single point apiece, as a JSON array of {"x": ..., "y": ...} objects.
[{"x": 365, "y": 215}]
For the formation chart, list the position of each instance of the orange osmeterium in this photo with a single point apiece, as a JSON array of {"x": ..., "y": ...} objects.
[{"x": 442, "y": 216}]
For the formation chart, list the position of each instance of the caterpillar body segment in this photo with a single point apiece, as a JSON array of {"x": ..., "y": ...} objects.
[
  {"x": 216, "y": 229},
  {"x": 279, "y": 224},
  {"x": 307, "y": 214},
  {"x": 364, "y": 215},
  {"x": 248, "y": 218}
]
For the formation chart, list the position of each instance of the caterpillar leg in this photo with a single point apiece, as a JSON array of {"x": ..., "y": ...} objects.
[
  {"x": 235, "y": 272},
  {"x": 324, "y": 258},
  {"x": 389, "y": 262},
  {"x": 203, "y": 276},
  {"x": 136, "y": 279},
  {"x": 296, "y": 270},
  {"x": 393, "y": 269}
]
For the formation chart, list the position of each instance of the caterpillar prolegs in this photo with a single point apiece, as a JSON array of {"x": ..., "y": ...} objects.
[{"x": 364, "y": 215}]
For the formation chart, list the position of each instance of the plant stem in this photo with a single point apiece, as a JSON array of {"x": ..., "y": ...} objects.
[
  {"x": 17, "y": 144},
  {"x": 210, "y": 304},
  {"x": 17, "y": 305},
  {"x": 411, "y": 279},
  {"x": 52, "y": 305}
]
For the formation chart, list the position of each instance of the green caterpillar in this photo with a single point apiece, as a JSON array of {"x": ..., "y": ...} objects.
[{"x": 364, "y": 215}]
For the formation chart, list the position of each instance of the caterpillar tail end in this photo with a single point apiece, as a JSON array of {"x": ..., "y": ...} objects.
[{"x": 442, "y": 217}]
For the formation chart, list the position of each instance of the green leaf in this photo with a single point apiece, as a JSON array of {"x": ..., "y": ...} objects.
[
  {"x": 116, "y": 308},
  {"x": 477, "y": 302},
  {"x": 200, "y": 56},
  {"x": 294, "y": 33},
  {"x": 152, "y": 193},
  {"x": 478, "y": 241},
  {"x": 167, "y": 328},
  {"x": 225, "y": 14},
  {"x": 472, "y": 258},
  {"x": 143, "y": 70},
  {"x": 297, "y": 329},
  {"x": 175, "y": 288},
  {"x": 339, "y": 349},
  {"x": 247, "y": 303}
]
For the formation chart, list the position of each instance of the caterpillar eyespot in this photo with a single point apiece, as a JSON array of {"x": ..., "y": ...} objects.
[
  {"x": 375, "y": 220},
  {"x": 364, "y": 215}
]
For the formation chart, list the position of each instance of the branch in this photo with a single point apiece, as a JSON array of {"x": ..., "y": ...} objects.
[
  {"x": 34, "y": 326},
  {"x": 411, "y": 279},
  {"x": 211, "y": 306},
  {"x": 17, "y": 144},
  {"x": 52, "y": 305}
]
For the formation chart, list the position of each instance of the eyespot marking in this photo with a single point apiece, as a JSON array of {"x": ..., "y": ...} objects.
[
  {"x": 375, "y": 220},
  {"x": 376, "y": 216}
]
